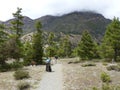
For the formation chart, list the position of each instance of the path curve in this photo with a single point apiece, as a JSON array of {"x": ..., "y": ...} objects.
[{"x": 52, "y": 80}]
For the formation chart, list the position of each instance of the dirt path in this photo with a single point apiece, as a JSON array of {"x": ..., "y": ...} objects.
[{"x": 52, "y": 80}]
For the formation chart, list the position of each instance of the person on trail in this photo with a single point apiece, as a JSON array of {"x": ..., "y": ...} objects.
[{"x": 48, "y": 65}]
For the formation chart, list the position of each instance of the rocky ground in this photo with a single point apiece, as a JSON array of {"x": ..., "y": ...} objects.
[
  {"x": 77, "y": 77},
  {"x": 7, "y": 81},
  {"x": 74, "y": 76}
]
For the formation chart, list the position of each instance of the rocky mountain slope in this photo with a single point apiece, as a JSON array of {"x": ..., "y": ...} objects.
[{"x": 73, "y": 23}]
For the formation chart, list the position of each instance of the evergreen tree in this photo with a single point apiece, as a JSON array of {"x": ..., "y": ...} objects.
[
  {"x": 3, "y": 38},
  {"x": 65, "y": 47},
  {"x": 86, "y": 47},
  {"x": 106, "y": 51},
  {"x": 112, "y": 37},
  {"x": 38, "y": 44},
  {"x": 51, "y": 49},
  {"x": 51, "y": 39},
  {"x": 28, "y": 51},
  {"x": 17, "y": 33}
]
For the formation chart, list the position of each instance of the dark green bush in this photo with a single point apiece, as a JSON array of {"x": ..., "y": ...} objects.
[
  {"x": 105, "y": 77},
  {"x": 23, "y": 85},
  {"x": 16, "y": 65},
  {"x": 88, "y": 64},
  {"x": 113, "y": 67},
  {"x": 4, "y": 68},
  {"x": 21, "y": 74}
]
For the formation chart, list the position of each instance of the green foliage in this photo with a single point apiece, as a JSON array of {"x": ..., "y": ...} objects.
[
  {"x": 16, "y": 65},
  {"x": 94, "y": 88},
  {"x": 23, "y": 85},
  {"x": 17, "y": 33},
  {"x": 21, "y": 74},
  {"x": 111, "y": 40},
  {"x": 86, "y": 47},
  {"x": 28, "y": 51},
  {"x": 38, "y": 44},
  {"x": 106, "y": 51},
  {"x": 106, "y": 87},
  {"x": 3, "y": 38},
  {"x": 113, "y": 67},
  {"x": 5, "y": 67},
  {"x": 65, "y": 49},
  {"x": 50, "y": 39},
  {"x": 104, "y": 63},
  {"x": 12, "y": 66},
  {"x": 51, "y": 50},
  {"x": 88, "y": 64},
  {"x": 105, "y": 77}
]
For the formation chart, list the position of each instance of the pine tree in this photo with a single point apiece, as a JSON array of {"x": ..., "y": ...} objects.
[
  {"x": 38, "y": 44},
  {"x": 3, "y": 38},
  {"x": 86, "y": 46},
  {"x": 51, "y": 49},
  {"x": 17, "y": 33},
  {"x": 112, "y": 37},
  {"x": 28, "y": 51},
  {"x": 65, "y": 47}
]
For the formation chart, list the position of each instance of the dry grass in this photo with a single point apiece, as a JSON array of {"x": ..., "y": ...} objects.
[
  {"x": 77, "y": 77},
  {"x": 7, "y": 81}
]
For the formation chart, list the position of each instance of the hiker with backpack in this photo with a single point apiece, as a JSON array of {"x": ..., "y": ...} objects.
[{"x": 48, "y": 65}]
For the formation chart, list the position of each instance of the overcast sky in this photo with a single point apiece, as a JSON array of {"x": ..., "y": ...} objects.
[{"x": 38, "y": 8}]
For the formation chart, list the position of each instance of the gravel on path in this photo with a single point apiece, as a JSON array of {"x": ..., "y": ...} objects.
[{"x": 52, "y": 80}]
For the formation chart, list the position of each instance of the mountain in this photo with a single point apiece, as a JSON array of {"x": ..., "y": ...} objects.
[
  {"x": 72, "y": 23},
  {"x": 28, "y": 24},
  {"x": 75, "y": 23}
]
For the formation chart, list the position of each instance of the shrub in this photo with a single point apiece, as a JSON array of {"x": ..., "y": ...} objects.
[
  {"x": 114, "y": 67},
  {"x": 94, "y": 88},
  {"x": 88, "y": 64},
  {"x": 16, "y": 65},
  {"x": 105, "y": 77},
  {"x": 23, "y": 85},
  {"x": 105, "y": 64},
  {"x": 106, "y": 87},
  {"x": 4, "y": 68},
  {"x": 21, "y": 74}
]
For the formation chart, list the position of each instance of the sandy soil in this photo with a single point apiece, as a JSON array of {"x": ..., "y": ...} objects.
[
  {"x": 7, "y": 81},
  {"x": 77, "y": 77},
  {"x": 52, "y": 80}
]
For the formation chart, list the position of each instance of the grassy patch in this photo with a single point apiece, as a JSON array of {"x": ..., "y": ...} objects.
[
  {"x": 23, "y": 85},
  {"x": 105, "y": 77},
  {"x": 105, "y": 63},
  {"x": 21, "y": 74}
]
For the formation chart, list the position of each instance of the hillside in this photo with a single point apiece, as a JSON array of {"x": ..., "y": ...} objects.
[
  {"x": 75, "y": 23},
  {"x": 72, "y": 23}
]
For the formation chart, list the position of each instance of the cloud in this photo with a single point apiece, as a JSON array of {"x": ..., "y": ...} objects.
[{"x": 37, "y": 8}]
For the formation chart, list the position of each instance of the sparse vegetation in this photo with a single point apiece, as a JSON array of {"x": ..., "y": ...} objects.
[
  {"x": 94, "y": 88},
  {"x": 113, "y": 67},
  {"x": 105, "y": 77},
  {"x": 105, "y": 64},
  {"x": 106, "y": 86},
  {"x": 21, "y": 74},
  {"x": 23, "y": 85}
]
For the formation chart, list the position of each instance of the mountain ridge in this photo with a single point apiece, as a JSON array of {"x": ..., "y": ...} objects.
[{"x": 71, "y": 23}]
